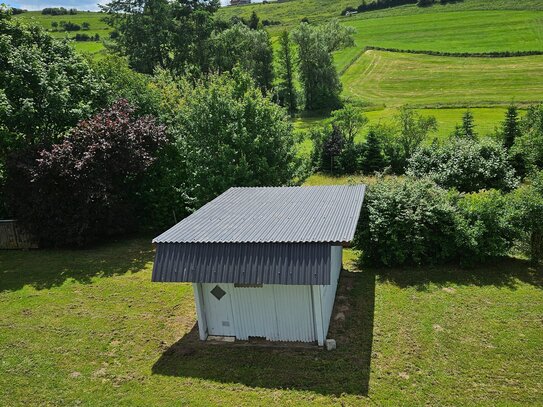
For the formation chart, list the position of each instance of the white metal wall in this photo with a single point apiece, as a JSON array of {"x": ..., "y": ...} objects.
[
  {"x": 274, "y": 312},
  {"x": 328, "y": 292}
]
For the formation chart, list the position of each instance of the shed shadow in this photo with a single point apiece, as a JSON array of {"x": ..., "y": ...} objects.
[{"x": 280, "y": 366}]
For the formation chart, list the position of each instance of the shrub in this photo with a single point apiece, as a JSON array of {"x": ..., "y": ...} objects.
[
  {"x": 465, "y": 164},
  {"x": 526, "y": 208},
  {"x": 483, "y": 227},
  {"x": 415, "y": 222},
  {"x": 87, "y": 185},
  {"x": 406, "y": 222}
]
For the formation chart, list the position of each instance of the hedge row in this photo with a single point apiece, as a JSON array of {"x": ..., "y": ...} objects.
[
  {"x": 495, "y": 54},
  {"x": 415, "y": 222}
]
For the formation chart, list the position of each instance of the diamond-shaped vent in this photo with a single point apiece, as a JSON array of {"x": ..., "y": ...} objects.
[{"x": 218, "y": 292}]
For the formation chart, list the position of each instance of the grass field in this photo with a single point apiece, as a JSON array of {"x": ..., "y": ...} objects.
[
  {"x": 392, "y": 79},
  {"x": 289, "y": 13},
  {"x": 89, "y": 328},
  {"x": 97, "y": 26},
  {"x": 459, "y": 31}
]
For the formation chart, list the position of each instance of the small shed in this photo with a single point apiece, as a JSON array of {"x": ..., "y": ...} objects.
[{"x": 263, "y": 262}]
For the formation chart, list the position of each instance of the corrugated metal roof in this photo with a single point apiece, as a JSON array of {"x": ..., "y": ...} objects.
[
  {"x": 273, "y": 215},
  {"x": 243, "y": 263}
]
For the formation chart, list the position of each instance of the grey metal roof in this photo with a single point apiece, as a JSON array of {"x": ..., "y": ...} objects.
[
  {"x": 273, "y": 215},
  {"x": 243, "y": 263}
]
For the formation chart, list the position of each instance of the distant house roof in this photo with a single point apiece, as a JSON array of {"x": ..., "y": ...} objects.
[{"x": 273, "y": 215}]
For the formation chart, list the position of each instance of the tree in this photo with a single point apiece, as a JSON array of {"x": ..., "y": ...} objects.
[
  {"x": 510, "y": 127},
  {"x": 85, "y": 25},
  {"x": 350, "y": 120},
  {"x": 45, "y": 86},
  {"x": 529, "y": 144},
  {"x": 253, "y": 21},
  {"x": 468, "y": 126},
  {"x": 54, "y": 24},
  {"x": 413, "y": 128},
  {"x": 318, "y": 74},
  {"x": 249, "y": 49},
  {"x": 229, "y": 134},
  {"x": 286, "y": 73},
  {"x": 87, "y": 185},
  {"x": 372, "y": 159},
  {"x": 332, "y": 148},
  {"x": 160, "y": 33}
]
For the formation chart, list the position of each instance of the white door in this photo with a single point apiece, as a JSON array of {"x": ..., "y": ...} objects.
[{"x": 218, "y": 309}]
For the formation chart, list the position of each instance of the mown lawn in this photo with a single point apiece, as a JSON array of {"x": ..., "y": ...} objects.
[
  {"x": 391, "y": 79},
  {"x": 88, "y": 327}
]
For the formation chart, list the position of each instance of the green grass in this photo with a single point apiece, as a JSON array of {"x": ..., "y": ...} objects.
[
  {"x": 97, "y": 26},
  {"x": 460, "y": 31},
  {"x": 392, "y": 79},
  {"x": 88, "y": 327},
  {"x": 290, "y": 13}
]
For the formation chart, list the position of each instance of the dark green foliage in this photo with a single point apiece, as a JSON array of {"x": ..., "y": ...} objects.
[
  {"x": 86, "y": 186},
  {"x": 287, "y": 92},
  {"x": 332, "y": 147},
  {"x": 526, "y": 207},
  {"x": 406, "y": 222},
  {"x": 510, "y": 127},
  {"x": 58, "y": 11},
  {"x": 159, "y": 33},
  {"x": 318, "y": 75},
  {"x": 529, "y": 145},
  {"x": 249, "y": 49},
  {"x": 382, "y": 4},
  {"x": 491, "y": 54},
  {"x": 465, "y": 164},
  {"x": 372, "y": 159},
  {"x": 253, "y": 21}
]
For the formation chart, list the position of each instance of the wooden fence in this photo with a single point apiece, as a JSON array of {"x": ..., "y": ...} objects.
[{"x": 13, "y": 236}]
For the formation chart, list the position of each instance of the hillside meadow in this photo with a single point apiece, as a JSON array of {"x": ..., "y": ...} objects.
[{"x": 392, "y": 78}]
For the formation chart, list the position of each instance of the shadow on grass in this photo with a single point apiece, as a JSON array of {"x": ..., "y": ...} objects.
[
  {"x": 345, "y": 370},
  {"x": 44, "y": 269},
  {"x": 504, "y": 272}
]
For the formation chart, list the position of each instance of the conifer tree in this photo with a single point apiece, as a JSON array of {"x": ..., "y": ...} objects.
[
  {"x": 510, "y": 127},
  {"x": 468, "y": 126},
  {"x": 372, "y": 156}
]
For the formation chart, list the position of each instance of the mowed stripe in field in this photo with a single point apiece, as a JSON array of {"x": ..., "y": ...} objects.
[{"x": 390, "y": 78}]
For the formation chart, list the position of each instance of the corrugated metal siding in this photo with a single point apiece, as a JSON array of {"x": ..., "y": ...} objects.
[
  {"x": 244, "y": 263},
  {"x": 273, "y": 312},
  {"x": 328, "y": 292},
  {"x": 283, "y": 214}
]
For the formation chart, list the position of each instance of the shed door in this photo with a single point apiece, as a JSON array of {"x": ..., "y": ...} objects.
[{"x": 218, "y": 309}]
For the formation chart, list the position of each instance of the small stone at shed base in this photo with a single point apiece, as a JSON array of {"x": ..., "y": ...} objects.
[
  {"x": 340, "y": 316},
  {"x": 330, "y": 344},
  {"x": 213, "y": 338}
]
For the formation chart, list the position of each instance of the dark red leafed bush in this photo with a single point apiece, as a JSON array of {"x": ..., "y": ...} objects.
[{"x": 85, "y": 187}]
